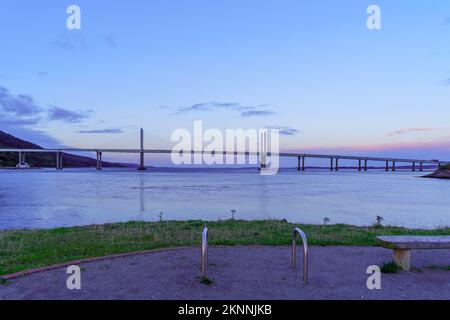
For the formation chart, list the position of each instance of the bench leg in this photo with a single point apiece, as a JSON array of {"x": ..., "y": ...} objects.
[{"x": 402, "y": 258}]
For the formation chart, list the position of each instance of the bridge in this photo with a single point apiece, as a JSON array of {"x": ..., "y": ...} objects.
[{"x": 362, "y": 161}]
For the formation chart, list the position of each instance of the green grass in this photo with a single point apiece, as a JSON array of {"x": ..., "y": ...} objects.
[
  {"x": 206, "y": 280},
  {"x": 26, "y": 249},
  {"x": 438, "y": 267},
  {"x": 389, "y": 267}
]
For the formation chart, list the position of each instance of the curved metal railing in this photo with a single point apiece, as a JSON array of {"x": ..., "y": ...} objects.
[
  {"x": 305, "y": 252},
  {"x": 204, "y": 251}
]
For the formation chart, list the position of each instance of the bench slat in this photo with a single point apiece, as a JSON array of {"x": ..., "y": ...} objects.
[{"x": 415, "y": 242}]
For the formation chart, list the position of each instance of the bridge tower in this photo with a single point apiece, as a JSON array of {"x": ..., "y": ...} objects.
[{"x": 141, "y": 163}]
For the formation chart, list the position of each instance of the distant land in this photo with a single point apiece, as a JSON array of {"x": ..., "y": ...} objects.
[{"x": 44, "y": 160}]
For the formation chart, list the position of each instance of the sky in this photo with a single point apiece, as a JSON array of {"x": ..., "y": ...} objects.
[{"x": 311, "y": 68}]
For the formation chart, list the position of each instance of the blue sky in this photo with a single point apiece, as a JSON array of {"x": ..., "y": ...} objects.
[{"x": 311, "y": 67}]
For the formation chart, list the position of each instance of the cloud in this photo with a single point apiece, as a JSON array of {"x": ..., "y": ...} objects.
[
  {"x": 70, "y": 41},
  {"x": 109, "y": 41},
  {"x": 445, "y": 82},
  {"x": 404, "y": 131},
  {"x": 8, "y": 120},
  {"x": 284, "y": 131},
  {"x": 19, "y": 105},
  {"x": 61, "y": 114},
  {"x": 245, "y": 111},
  {"x": 256, "y": 113},
  {"x": 102, "y": 131},
  {"x": 19, "y": 116}
]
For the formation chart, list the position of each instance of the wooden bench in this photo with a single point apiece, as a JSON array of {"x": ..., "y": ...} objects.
[{"x": 403, "y": 245}]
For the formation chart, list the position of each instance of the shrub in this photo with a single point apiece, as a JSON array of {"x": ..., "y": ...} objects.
[{"x": 390, "y": 267}]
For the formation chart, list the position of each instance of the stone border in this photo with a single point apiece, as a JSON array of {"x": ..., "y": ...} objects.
[{"x": 81, "y": 261}]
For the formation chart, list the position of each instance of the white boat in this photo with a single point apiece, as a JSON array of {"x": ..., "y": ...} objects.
[{"x": 23, "y": 165}]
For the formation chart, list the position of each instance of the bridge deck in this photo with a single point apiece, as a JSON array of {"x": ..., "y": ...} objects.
[{"x": 281, "y": 154}]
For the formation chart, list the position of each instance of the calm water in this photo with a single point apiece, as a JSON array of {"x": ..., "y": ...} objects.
[{"x": 47, "y": 198}]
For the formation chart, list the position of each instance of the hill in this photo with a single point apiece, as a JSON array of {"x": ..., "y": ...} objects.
[
  {"x": 43, "y": 159},
  {"x": 441, "y": 173}
]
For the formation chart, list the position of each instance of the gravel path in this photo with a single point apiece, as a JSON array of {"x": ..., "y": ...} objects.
[{"x": 242, "y": 273}]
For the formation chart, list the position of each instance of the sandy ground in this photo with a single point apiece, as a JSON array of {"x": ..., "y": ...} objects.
[{"x": 242, "y": 273}]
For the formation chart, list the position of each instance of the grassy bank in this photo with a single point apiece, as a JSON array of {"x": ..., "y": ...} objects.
[{"x": 25, "y": 249}]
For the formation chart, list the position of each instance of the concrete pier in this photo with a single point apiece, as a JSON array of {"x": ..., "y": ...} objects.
[
  {"x": 141, "y": 158},
  {"x": 387, "y": 166},
  {"x": 331, "y": 164},
  {"x": 59, "y": 161},
  {"x": 365, "y": 165},
  {"x": 359, "y": 165},
  {"x": 393, "y": 166},
  {"x": 99, "y": 160},
  {"x": 263, "y": 161},
  {"x": 337, "y": 164},
  {"x": 413, "y": 166}
]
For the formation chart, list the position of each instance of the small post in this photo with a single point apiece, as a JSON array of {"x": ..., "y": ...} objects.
[
  {"x": 204, "y": 251},
  {"x": 305, "y": 252}
]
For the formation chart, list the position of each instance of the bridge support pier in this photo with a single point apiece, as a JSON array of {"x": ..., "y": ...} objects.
[
  {"x": 387, "y": 166},
  {"x": 359, "y": 165},
  {"x": 421, "y": 166},
  {"x": 99, "y": 160},
  {"x": 337, "y": 164},
  {"x": 141, "y": 162},
  {"x": 298, "y": 164},
  {"x": 303, "y": 163},
  {"x": 393, "y": 166},
  {"x": 20, "y": 157},
  {"x": 331, "y": 164},
  {"x": 365, "y": 165},
  {"x": 59, "y": 161},
  {"x": 413, "y": 166}
]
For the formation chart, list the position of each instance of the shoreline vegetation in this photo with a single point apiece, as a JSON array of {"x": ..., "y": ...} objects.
[
  {"x": 442, "y": 173},
  {"x": 27, "y": 249}
]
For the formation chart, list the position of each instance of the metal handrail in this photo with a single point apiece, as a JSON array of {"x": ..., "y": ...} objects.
[
  {"x": 305, "y": 252},
  {"x": 204, "y": 251}
]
